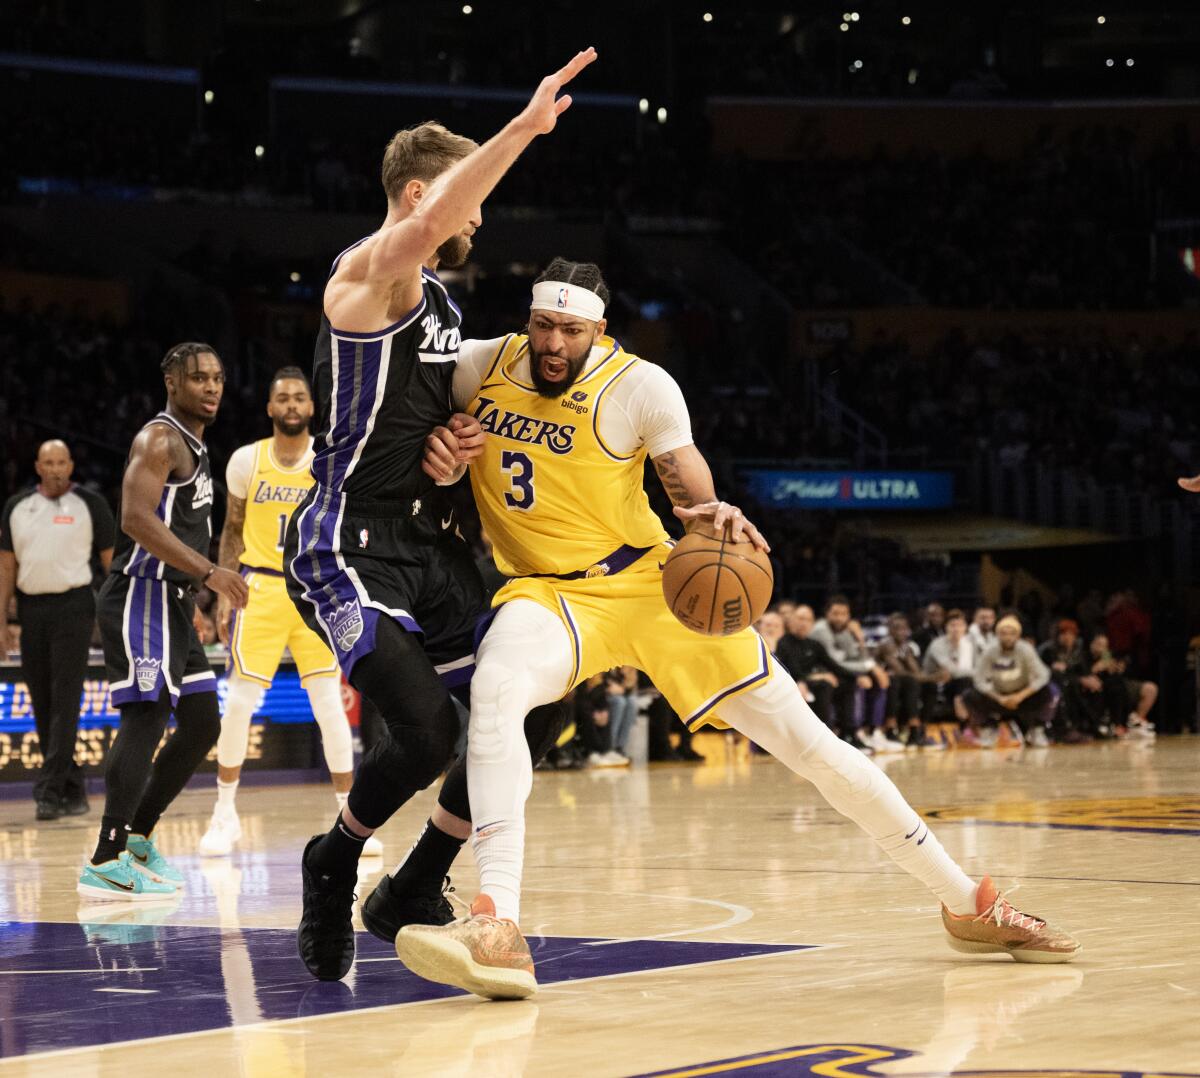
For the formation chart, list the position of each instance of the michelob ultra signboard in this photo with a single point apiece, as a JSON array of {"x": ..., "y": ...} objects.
[{"x": 851, "y": 490}]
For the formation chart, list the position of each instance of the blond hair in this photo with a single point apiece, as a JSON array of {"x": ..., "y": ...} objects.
[{"x": 423, "y": 153}]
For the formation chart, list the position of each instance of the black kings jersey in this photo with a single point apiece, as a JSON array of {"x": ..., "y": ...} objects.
[
  {"x": 185, "y": 508},
  {"x": 378, "y": 395}
]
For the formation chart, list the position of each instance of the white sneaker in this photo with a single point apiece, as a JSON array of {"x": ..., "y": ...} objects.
[
  {"x": 372, "y": 847},
  {"x": 1141, "y": 729},
  {"x": 1037, "y": 739},
  {"x": 988, "y": 737},
  {"x": 880, "y": 742},
  {"x": 596, "y": 759},
  {"x": 224, "y": 829},
  {"x": 616, "y": 759}
]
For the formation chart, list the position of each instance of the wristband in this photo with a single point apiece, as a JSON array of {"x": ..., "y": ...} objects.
[{"x": 211, "y": 569}]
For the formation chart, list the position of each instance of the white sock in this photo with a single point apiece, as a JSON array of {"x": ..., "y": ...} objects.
[
  {"x": 226, "y": 792},
  {"x": 342, "y": 798},
  {"x": 325, "y": 696},
  {"x": 500, "y": 856},
  {"x": 776, "y": 717}
]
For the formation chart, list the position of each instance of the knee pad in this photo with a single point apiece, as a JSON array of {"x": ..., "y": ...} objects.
[
  {"x": 240, "y": 701},
  {"x": 201, "y": 716},
  {"x": 497, "y": 711},
  {"x": 325, "y": 696},
  {"x": 415, "y": 756}
]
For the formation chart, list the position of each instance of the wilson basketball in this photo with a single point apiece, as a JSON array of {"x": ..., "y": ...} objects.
[{"x": 716, "y": 586}]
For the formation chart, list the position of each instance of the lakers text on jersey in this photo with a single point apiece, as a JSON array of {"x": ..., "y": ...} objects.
[
  {"x": 270, "y": 622},
  {"x": 569, "y": 520}
]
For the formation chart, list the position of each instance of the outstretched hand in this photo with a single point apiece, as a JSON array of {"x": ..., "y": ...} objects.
[{"x": 545, "y": 107}]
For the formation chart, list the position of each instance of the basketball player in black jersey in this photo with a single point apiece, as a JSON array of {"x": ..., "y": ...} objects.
[
  {"x": 373, "y": 558},
  {"x": 155, "y": 661}
]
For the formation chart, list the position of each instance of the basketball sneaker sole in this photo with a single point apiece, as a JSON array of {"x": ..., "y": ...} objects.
[
  {"x": 1045, "y": 958},
  {"x": 448, "y": 961},
  {"x": 108, "y": 894}
]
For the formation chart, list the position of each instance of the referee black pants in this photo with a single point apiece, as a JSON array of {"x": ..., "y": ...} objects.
[{"x": 55, "y": 633}]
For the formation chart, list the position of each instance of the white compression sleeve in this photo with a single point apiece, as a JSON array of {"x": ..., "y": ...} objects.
[
  {"x": 240, "y": 701},
  {"x": 524, "y": 661},
  {"x": 325, "y": 696},
  {"x": 776, "y": 717}
]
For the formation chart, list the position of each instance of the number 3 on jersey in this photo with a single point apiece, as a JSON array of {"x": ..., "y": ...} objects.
[{"x": 519, "y": 469}]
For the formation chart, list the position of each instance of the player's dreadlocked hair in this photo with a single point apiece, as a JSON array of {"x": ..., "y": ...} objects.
[
  {"x": 289, "y": 372},
  {"x": 585, "y": 274},
  {"x": 176, "y": 359}
]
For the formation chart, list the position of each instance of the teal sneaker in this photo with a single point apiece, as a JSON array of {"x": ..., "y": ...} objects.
[
  {"x": 119, "y": 881},
  {"x": 144, "y": 856}
]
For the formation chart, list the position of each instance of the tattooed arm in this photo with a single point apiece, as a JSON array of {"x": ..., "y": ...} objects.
[
  {"x": 686, "y": 478},
  {"x": 233, "y": 544}
]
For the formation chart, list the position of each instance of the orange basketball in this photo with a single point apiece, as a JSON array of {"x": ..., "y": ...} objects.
[{"x": 716, "y": 586}]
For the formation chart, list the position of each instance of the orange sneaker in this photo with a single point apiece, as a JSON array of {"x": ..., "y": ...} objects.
[
  {"x": 481, "y": 953},
  {"x": 999, "y": 928}
]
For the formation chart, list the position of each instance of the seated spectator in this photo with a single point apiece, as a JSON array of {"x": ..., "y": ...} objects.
[
  {"x": 933, "y": 625},
  {"x": 592, "y": 721},
  {"x": 901, "y": 658},
  {"x": 1119, "y": 691},
  {"x": 983, "y": 628},
  {"x": 663, "y": 722},
  {"x": 816, "y": 671},
  {"x": 949, "y": 666},
  {"x": 859, "y": 700},
  {"x": 620, "y": 694},
  {"x": 1012, "y": 684},
  {"x": 1081, "y": 713}
]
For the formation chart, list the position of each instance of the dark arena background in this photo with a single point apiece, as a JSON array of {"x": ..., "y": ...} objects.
[{"x": 928, "y": 275}]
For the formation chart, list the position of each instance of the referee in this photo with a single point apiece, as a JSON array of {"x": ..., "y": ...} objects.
[{"x": 49, "y": 536}]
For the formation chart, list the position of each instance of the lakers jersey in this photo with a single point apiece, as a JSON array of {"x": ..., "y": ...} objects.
[
  {"x": 553, "y": 497},
  {"x": 272, "y": 492}
]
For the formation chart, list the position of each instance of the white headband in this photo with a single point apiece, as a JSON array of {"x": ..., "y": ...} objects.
[{"x": 567, "y": 298}]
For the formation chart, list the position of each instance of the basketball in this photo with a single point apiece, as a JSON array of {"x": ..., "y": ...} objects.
[{"x": 715, "y": 586}]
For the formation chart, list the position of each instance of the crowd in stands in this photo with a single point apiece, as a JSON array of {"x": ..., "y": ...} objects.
[
  {"x": 1115, "y": 410},
  {"x": 1062, "y": 225},
  {"x": 885, "y": 687},
  {"x": 953, "y": 682}
]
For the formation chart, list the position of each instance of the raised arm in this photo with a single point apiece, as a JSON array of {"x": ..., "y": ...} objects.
[{"x": 448, "y": 203}]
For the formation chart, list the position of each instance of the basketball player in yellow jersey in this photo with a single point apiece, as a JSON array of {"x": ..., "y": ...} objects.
[
  {"x": 266, "y": 480},
  {"x": 570, "y": 419}
]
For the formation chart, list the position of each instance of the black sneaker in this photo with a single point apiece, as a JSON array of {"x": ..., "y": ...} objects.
[
  {"x": 385, "y": 912},
  {"x": 49, "y": 807},
  {"x": 326, "y": 933},
  {"x": 76, "y": 804}
]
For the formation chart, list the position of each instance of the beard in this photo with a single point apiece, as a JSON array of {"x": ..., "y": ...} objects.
[
  {"x": 550, "y": 389},
  {"x": 290, "y": 428},
  {"x": 454, "y": 252}
]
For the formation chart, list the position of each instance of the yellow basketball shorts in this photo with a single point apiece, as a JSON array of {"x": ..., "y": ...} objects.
[
  {"x": 623, "y": 620},
  {"x": 269, "y": 623}
]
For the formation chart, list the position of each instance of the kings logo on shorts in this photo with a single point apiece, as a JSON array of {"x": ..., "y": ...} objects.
[
  {"x": 146, "y": 672},
  {"x": 346, "y": 624}
]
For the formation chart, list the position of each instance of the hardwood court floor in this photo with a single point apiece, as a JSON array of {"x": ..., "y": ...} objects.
[{"x": 685, "y": 916}]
